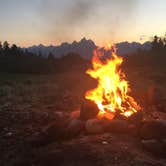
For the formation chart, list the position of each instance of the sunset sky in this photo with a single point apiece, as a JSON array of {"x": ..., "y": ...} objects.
[{"x": 29, "y": 22}]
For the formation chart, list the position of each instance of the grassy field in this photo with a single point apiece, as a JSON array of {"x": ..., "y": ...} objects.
[
  {"x": 28, "y": 102},
  {"x": 22, "y": 91}
]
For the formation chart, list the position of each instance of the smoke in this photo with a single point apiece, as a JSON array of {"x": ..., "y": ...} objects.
[{"x": 68, "y": 19}]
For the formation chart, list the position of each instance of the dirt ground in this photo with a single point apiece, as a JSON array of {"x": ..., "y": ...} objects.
[{"x": 29, "y": 102}]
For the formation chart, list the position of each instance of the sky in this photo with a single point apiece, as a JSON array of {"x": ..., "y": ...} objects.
[{"x": 51, "y": 22}]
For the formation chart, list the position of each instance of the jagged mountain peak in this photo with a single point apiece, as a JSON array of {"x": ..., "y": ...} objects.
[{"x": 85, "y": 48}]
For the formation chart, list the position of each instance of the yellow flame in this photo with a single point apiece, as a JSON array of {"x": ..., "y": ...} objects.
[{"x": 111, "y": 94}]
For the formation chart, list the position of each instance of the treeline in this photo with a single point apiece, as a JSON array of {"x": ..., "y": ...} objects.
[
  {"x": 159, "y": 44},
  {"x": 153, "y": 59},
  {"x": 15, "y": 60}
]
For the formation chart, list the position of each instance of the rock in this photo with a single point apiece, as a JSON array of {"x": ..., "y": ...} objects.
[
  {"x": 9, "y": 134},
  {"x": 135, "y": 122},
  {"x": 117, "y": 126},
  {"x": 164, "y": 144},
  {"x": 104, "y": 142},
  {"x": 154, "y": 146},
  {"x": 75, "y": 114},
  {"x": 136, "y": 118},
  {"x": 38, "y": 139},
  {"x": 50, "y": 133},
  {"x": 133, "y": 129},
  {"x": 89, "y": 110},
  {"x": 59, "y": 114},
  {"x": 154, "y": 129},
  {"x": 94, "y": 126},
  {"x": 75, "y": 127}
]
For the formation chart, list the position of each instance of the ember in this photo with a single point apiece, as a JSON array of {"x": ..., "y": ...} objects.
[{"x": 112, "y": 93}]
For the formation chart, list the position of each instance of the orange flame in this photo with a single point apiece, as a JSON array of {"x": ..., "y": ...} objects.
[{"x": 111, "y": 94}]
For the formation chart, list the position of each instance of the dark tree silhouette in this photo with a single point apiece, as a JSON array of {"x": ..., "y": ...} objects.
[
  {"x": 0, "y": 45},
  {"x": 155, "y": 45},
  {"x": 51, "y": 57},
  {"x": 159, "y": 44},
  {"x": 0, "y": 48},
  {"x": 17, "y": 60},
  {"x": 14, "y": 50},
  {"x": 5, "y": 46}
]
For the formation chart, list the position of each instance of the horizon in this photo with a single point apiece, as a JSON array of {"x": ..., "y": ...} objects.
[
  {"x": 53, "y": 22},
  {"x": 79, "y": 40}
]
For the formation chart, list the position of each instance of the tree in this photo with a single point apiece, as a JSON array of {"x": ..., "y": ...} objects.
[
  {"x": 14, "y": 49},
  {"x": 0, "y": 45},
  {"x": 39, "y": 54},
  {"x": 155, "y": 43},
  {"x": 160, "y": 43},
  {"x": 5, "y": 46},
  {"x": 50, "y": 57},
  {"x": 164, "y": 41},
  {"x": 0, "y": 48}
]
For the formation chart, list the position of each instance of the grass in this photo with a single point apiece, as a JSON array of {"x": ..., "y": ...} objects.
[
  {"x": 26, "y": 100},
  {"x": 65, "y": 91},
  {"x": 61, "y": 91}
]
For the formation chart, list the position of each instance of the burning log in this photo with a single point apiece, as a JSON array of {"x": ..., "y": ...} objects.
[
  {"x": 119, "y": 116},
  {"x": 88, "y": 110}
]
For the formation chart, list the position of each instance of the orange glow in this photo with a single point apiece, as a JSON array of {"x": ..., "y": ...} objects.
[{"x": 111, "y": 94}]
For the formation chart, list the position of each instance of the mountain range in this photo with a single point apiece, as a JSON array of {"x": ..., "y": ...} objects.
[{"x": 85, "y": 48}]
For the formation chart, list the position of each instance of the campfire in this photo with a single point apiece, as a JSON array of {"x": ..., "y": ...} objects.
[
  {"x": 108, "y": 108},
  {"x": 112, "y": 92}
]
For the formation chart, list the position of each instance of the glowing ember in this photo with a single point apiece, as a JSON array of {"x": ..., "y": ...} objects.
[{"x": 111, "y": 94}]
